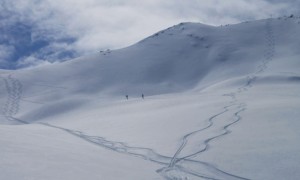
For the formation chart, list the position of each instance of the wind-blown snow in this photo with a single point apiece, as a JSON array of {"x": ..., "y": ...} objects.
[{"x": 220, "y": 103}]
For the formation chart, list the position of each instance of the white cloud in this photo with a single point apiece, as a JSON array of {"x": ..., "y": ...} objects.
[
  {"x": 5, "y": 53},
  {"x": 30, "y": 61}
]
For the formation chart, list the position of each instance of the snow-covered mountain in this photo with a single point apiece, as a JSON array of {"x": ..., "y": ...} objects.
[{"x": 220, "y": 103}]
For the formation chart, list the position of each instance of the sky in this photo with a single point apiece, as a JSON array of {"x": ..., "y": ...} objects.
[{"x": 37, "y": 32}]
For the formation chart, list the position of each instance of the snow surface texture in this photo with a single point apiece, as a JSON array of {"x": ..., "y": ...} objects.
[{"x": 220, "y": 103}]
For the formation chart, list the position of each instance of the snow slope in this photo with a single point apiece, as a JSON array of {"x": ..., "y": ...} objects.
[{"x": 220, "y": 103}]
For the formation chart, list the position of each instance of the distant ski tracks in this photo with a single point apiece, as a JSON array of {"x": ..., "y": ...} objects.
[
  {"x": 179, "y": 166},
  {"x": 11, "y": 107}
]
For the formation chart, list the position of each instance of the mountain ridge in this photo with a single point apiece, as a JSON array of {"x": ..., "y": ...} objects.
[{"x": 185, "y": 57}]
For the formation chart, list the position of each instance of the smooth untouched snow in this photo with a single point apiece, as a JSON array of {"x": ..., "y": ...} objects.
[{"x": 220, "y": 103}]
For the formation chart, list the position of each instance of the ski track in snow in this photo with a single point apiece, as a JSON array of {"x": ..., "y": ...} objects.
[
  {"x": 11, "y": 107},
  {"x": 176, "y": 167}
]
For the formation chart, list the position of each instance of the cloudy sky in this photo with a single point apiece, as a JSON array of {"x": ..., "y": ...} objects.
[{"x": 40, "y": 31}]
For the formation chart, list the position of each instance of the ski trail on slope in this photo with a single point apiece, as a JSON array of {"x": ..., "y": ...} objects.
[
  {"x": 11, "y": 107},
  {"x": 185, "y": 138},
  {"x": 250, "y": 79},
  {"x": 149, "y": 155},
  {"x": 121, "y": 147},
  {"x": 192, "y": 170}
]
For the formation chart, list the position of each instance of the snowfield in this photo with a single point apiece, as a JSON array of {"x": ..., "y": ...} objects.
[{"x": 220, "y": 103}]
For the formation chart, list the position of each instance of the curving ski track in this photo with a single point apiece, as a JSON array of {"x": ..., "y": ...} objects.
[
  {"x": 178, "y": 166},
  {"x": 250, "y": 79}
]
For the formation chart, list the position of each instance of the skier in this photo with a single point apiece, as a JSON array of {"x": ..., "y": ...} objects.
[
  {"x": 143, "y": 96},
  {"x": 127, "y": 97}
]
